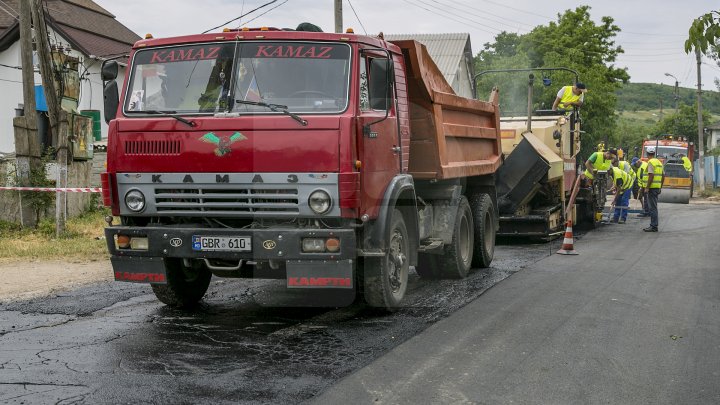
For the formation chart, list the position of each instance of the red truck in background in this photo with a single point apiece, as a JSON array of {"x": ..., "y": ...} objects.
[{"x": 328, "y": 160}]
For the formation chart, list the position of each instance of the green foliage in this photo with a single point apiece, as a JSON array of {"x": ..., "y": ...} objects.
[
  {"x": 704, "y": 32},
  {"x": 629, "y": 133},
  {"x": 713, "y": 152},
  {"x": 647, "y": 96},
  {"x": 683, "y": 123},
  {"x": 37, "y": 177},
  {"x": 574, "y": 41},
  {"x": 6, "y": 227}
]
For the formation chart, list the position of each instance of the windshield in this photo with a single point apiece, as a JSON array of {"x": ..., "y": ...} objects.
[
  {"x": 665, "y": 152},
  {"x": 209, "y": 78}
]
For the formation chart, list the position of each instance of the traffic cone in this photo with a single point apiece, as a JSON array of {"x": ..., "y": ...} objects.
[{"x": 567, "y": 247}]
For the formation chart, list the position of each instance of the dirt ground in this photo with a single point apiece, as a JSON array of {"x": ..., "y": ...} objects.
[{"x": 30, "y": 279}]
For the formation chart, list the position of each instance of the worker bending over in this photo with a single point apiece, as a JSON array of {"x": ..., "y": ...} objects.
[
  {"x": 598, "y": 161},
  {"x": 622, "y": 185}
]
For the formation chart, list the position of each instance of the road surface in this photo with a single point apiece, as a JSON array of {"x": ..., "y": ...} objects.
[{"x": 632, "y": 320}]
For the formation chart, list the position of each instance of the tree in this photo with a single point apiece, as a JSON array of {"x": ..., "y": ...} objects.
[
  {"x": 574, "y": 41},
  {"x": 629, "y": 133},
  {"x": 704, "y": 32},
  {"x": 683, "y": 123}
]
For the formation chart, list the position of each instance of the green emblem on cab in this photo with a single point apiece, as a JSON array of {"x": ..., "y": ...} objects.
[{"x": 223, "y": 143}]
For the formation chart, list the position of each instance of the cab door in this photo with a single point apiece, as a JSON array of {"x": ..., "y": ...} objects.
[{"x": 380, "y": 151}]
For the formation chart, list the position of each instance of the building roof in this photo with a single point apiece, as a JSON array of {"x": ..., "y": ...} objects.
[
  {"x": 447, "y": 50},
  {"x": 714, "y": 125},
  {"x": 88, "y": 27}
]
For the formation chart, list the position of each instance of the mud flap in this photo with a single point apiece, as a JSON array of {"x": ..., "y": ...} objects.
[
  {"x": 139, "y": 269},
  {"x": 320, "y": 274}
]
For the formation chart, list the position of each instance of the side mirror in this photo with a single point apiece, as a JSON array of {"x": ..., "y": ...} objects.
[
  {"x": 109, "y": 70},
  {"x": 112, "y": 100},
  {"x": 380, "y": 88}
]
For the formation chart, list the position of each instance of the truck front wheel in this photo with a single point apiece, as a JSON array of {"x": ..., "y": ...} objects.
[
  {"x": 385, "y": 279},
  {"x": 185, "y": 285}
]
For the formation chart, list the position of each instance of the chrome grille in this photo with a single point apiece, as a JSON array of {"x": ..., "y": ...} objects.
[
  {"x": 154, "y": 148},
  {"x": 227, "y": 200}
]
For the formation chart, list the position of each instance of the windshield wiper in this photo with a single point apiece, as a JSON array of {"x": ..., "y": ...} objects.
[
  {"x": 170, "y": 114},
  {"x": 276, "y": 108}
]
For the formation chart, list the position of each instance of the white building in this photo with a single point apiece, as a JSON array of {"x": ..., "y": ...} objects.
[
  {"x": 84, "y": 30},
  {"x": 452, "y": 54},
  {"x": 712, "y": 135}
]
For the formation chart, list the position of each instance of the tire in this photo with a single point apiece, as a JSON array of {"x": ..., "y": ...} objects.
[
  {"x": 385, "y": 278},
  {"x": 484, "y": 217},
  {"x": 458, "y": 255},
  {"x": 185, "y": 285}
]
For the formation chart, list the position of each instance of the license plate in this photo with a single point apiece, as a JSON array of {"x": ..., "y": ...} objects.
[{"x": 221, "y": 243}]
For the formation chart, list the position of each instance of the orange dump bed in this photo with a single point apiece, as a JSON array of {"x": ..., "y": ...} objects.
[{"x": 450, "y": 136}]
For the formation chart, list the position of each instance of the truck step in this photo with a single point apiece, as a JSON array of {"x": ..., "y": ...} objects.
[{"x": 432, "y": 245}]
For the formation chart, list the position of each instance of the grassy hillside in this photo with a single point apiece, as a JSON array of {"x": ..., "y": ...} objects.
[{"x": 647, "y": 96}]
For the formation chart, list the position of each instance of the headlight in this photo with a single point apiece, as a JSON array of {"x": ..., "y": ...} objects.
[
  {"x": 135, "y": 200},
  {"x": 320, "y": 202}
]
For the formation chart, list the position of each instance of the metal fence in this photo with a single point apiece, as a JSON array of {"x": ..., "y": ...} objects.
[{"x": 712, "y": 171}]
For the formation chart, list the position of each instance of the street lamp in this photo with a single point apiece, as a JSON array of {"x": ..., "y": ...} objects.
[{"x": 676, "y": 93}]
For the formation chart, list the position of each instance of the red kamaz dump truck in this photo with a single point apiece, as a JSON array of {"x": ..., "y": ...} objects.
[{"x": 328, "y": 160}]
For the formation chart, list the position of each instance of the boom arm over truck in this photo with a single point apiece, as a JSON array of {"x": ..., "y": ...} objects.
[{"x": 327, "y": 160}]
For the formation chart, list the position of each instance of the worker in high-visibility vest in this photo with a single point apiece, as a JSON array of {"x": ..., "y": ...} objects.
[
  {"x": 641, "y": 177},
  {"x": 598, "y": 161},
  {"x": 687, "y": 164},
  {"x": 622, "y": 185},
  {"x": 653, "y": 187},
  {"x": 570, "y": 96}
]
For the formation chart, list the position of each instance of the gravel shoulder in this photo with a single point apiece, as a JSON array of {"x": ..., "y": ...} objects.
[{"x": 31, "y": 279}]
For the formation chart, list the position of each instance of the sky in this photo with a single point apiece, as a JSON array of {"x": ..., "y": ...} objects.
[{"x": 652, "y": 34}]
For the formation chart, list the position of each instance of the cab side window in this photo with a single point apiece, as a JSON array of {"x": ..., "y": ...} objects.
[
  {"x": 376, "y": 78},
  {"x": 364, "y": 86}
]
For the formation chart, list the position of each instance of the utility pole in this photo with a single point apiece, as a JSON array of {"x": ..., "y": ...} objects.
[
  {"x": 338, "y": 16},
  {"x": 27, "y": 144},
  {"x": 701, "y": 132},
  {"x": 48, "y": 78},
  {"x": 677, "y": 95}
]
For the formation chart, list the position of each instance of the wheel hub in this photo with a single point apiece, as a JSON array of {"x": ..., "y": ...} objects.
[{"x": 397, "y": 260}]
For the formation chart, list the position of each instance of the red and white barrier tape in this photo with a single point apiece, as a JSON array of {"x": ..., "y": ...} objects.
[{"x": 58, "y": 190}]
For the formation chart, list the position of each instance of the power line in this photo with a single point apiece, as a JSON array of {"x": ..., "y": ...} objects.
[
  {"x": 356, "y": 16},
  {"x": 624, "y": 60},
  {"x": 451, "y": 18},
  {"x": 712, "y": 66},
  {"x": 654, "y": 54},
  {"x": 458, "y": 15},
  {"x": 484, "y": 17},
  {"x": 518, "y": 9},
  {"x": 11, "y": 67},
  {"x": 262, "y": 14},
  {"x": 11, "y": 81},
  {"x": 655, "y": 34},
  {"x": 3, "y": 8},
  {"x": 241, "y": 16}
]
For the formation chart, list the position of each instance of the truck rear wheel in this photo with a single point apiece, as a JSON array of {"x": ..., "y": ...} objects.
[
  {"x": 484, "y": 215},
  {"x": 458, "y": 255},
  {"x": 385, "y": 279},
  {"x": 185, "y": 285}
]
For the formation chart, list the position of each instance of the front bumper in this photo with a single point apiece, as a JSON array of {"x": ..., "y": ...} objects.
[{"x": 266, "y": 244}]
